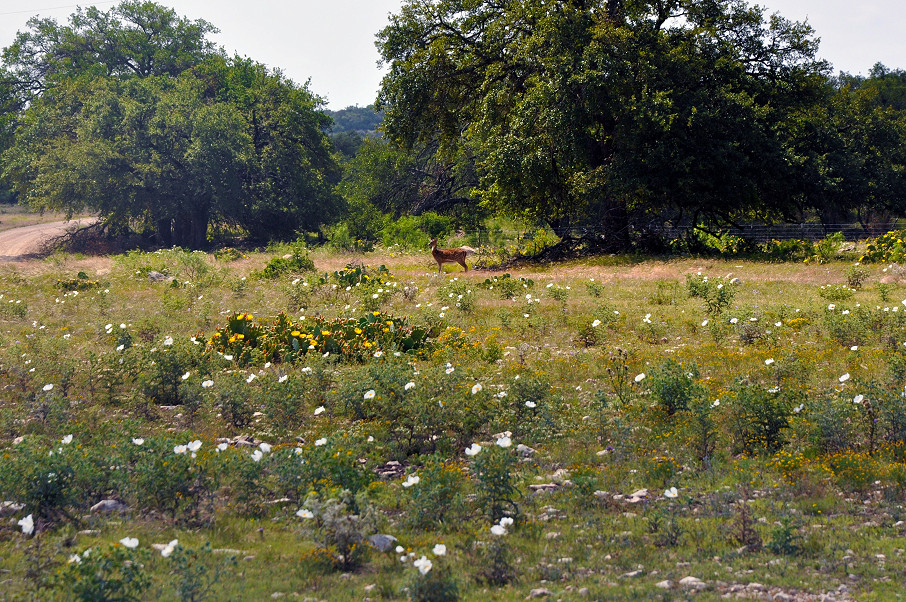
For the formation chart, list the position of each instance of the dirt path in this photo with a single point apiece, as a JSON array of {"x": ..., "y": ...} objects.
[{"x": 20, "y": 243}]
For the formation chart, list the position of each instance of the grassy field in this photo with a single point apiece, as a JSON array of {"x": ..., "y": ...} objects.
[{"x": 620, "y": 428}]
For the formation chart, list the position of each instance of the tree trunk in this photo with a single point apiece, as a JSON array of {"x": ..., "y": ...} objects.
[
  {"x": 199, "y": 233},
  {"x": 182, "y": 229},
  {"x": 165, "y": 232}
]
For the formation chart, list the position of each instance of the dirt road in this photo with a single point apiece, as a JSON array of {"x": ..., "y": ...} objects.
[{"x": 17, "y": 244}]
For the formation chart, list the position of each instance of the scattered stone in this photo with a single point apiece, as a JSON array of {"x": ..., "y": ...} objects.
[
  {"x": 639, "y": 493},
  {"x": 109, "y": 505},
  {"x": 583, "y": 591},
  {"x": 755, "y": 587},
  {"x": 370, "y": 587},
  {"x": 665, "y": 584},
  {"x": 541, "y": 592},
  {"x": 693, "y": 582},
  {"x": 282, "y": 500},
  {"x": 525, "y": 451},
  {"x": 89, "y": 532},
  {"x": 543, "y": 487},
  {"x": 551, "y": 535},
  {"x": 18, "y": 440},
  {"x": 158, "y": 277},
  {"x": 783, "y": 597},
  {"x": 391, "y": 471},
  {"x": 9, "y": 508},
  {"x": 601, "y": 494},
  {"x": 229, "y": 551},
  {"x": 631, "y": 574},
  {"x": 381, "y": 542}
]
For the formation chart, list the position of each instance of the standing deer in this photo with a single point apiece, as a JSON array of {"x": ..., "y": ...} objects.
[{"x": 457, "y": 255}]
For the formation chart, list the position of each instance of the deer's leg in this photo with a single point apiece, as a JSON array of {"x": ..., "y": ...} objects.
[{"x": 462, "y": 262}]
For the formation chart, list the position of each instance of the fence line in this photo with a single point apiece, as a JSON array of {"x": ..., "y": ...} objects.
[{"x": 755, "y": 232}]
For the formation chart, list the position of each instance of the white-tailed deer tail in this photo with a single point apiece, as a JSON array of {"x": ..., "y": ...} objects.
[{"x": 457, "y": 255}]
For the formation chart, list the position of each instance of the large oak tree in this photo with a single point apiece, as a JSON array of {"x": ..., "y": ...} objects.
[{"x": 610, "y": 113}]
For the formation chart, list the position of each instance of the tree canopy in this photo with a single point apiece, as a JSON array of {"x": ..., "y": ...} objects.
[
  {"x": 612, "y": 113},
  {"x": 135, "y": 113}
]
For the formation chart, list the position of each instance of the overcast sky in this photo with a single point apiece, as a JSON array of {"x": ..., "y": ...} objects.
[{"x": 331, "y": 42}]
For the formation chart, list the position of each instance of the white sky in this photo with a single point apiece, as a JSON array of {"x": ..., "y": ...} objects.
[{"x": 331, "y": 42}]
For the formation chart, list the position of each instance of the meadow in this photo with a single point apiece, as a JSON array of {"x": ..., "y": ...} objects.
[{"x": 310, "y": 424}]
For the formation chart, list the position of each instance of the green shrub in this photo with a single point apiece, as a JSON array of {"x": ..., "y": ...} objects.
[
  {"x": 296, "y": 261},
  {"x": 758, "y": 418},
  {"x": 887, "y": 248},
  {"x": 321, "y": 466},
  {"x": 110, "y": 573},
  {"x": 341, "y": 533},
  {"x": 673, "y": 386},
  {"x": 165, "y": 477},
  {"x": 507, "y": 287},
  {"x": 282, "y": 340},
  {"x": 437, "y": 502},
  {"x": 494, "y": 470},
  {"x": 717, "y": 293}
]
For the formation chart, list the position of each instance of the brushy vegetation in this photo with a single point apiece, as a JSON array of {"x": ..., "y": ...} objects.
[{"x": 391, "y": 433}]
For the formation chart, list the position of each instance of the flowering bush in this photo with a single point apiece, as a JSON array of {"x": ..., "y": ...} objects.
[
  {"x": 248, "y": 342},
  {"x": 887, "y": 248}
]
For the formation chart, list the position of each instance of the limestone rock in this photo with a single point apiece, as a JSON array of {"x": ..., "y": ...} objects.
[
  {"x": 109, "y": 505},
  {"x": 381, "y": 542},
  {"x": 692, "y": 582}
]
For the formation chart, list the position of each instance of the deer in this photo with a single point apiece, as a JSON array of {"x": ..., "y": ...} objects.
[{"x": 457, "y": 255}]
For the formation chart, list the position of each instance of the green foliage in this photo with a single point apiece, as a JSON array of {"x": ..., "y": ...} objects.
[
  {"x": 167, "y": 477},
  {"x": 282, "y": 340},
  {"x": 886, "y": 248},
  {"x": 196, "y": 572},
  {"x": 438, "y": 501},
  {"x": 438, "y": 585},
  {"x": 785, "y": 539},
  {"x": 540, "y": 154},
  {"x": 856, "y": 276},
  {"x": 340, "y": 533},
  {"x": 296, "y": 261},
  {"x": 342, "y": 237},
  {"x": 828, "y": 248},
  {"x": 506, "y": 286},
  {"x": 110, "y": 573},
  {"x": 497, "y": 494},
  {"x": 758, "y": 418},
  {"x": 414, "y": 232},
  {"x": 836, "y": 292},
  {"x": 328, "y": 466},
  {"x": 717, "y": 293},
  {"x": 673, "y": 386},
  {"x": 222, "y": 129}
]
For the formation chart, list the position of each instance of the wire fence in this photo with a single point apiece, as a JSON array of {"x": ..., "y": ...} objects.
[{"x": 758, "y": 233}]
